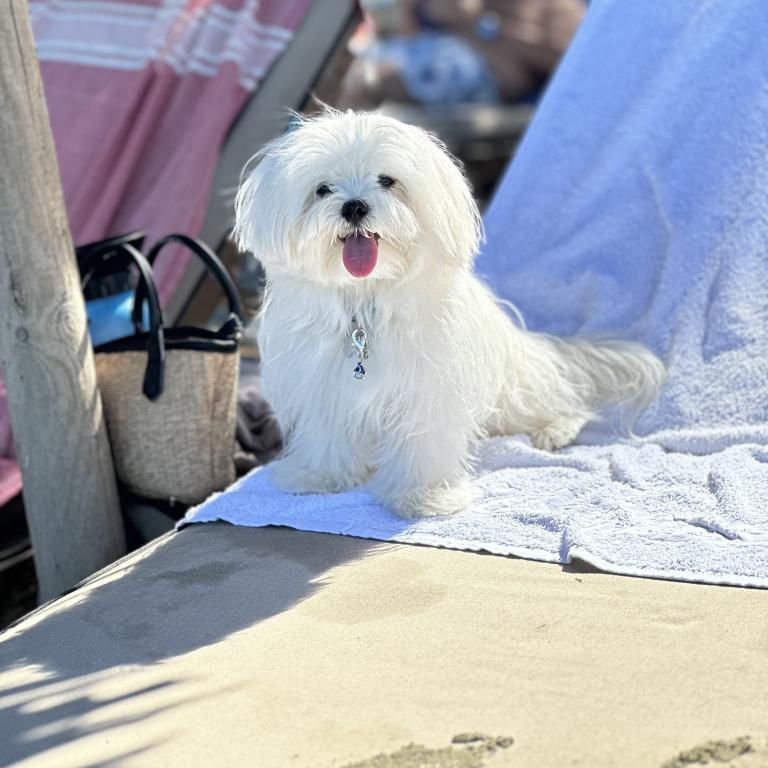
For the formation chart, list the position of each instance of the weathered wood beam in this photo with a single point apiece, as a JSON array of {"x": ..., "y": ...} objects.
[{"x": 69, "y": 485}]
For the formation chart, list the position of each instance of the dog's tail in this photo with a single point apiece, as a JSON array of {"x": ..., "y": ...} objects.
[{"x": 615, "y": 372}]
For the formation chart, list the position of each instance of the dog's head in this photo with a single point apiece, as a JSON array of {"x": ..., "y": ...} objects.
[{"x": 351, "y": 196}]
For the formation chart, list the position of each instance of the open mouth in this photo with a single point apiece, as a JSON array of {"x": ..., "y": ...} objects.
[{"x": 360, "y": 253}]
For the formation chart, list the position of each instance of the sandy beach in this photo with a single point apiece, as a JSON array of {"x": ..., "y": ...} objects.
[{"x": 271, "y": 647}]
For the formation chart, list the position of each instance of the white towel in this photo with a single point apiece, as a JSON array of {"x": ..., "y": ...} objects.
[{"x": 636, "y": 205}]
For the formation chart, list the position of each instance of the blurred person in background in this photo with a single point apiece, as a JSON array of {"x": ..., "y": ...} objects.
[{"x": 443, "y": 52}]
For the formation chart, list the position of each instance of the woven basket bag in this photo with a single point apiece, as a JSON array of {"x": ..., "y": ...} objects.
[{"x": 169, "y": 394}]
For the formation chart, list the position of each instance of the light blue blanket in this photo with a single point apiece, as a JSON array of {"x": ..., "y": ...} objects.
[{"x": 637, "y": 205}]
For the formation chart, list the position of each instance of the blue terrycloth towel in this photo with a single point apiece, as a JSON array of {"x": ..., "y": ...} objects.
[{"x": 636, "y": 205}]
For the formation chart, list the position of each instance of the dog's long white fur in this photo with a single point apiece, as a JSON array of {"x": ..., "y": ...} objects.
[{"x": 446, "y": 364}]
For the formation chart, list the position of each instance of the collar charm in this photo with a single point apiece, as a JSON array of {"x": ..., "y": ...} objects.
[{"x": 360, "y": 343}]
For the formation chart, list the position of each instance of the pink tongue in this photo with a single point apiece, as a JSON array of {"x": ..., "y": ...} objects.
[{"x": 359, "y": 255}]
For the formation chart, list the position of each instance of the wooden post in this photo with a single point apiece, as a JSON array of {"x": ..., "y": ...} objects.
[{"x": 69, "y": 485}]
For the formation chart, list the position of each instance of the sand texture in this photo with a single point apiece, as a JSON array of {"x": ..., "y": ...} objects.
[{"x": 224, "y": 646}]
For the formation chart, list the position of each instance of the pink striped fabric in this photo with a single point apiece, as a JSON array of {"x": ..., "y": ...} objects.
[{"x": 141, "y": 94}]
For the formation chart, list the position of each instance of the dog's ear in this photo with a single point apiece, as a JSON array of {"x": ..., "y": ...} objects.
[
  {"x": 454, "y": 212},
  {"x": 260, "y": 215}
]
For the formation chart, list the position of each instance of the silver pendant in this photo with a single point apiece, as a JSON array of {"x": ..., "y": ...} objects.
[{"x": 360, "y": 343}]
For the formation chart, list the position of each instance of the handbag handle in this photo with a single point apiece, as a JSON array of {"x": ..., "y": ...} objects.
[
  {"x": 111, "y": 271},
  {"x": 154, "y": 375},
  {"x": 136, "y": 239},
  {"x": 211, "y": 261}
]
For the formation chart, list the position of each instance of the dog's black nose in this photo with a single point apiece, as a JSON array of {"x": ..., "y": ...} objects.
[{"x": 354, "y": 211}]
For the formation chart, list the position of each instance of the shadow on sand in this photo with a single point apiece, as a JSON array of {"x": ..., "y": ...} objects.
[{"x": 182, "y": 592}]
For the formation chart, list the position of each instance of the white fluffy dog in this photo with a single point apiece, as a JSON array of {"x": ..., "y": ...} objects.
[{"x": 384, "y": 357}]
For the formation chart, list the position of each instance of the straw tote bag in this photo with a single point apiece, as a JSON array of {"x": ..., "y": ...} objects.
[{"x": 169, "y": 394}]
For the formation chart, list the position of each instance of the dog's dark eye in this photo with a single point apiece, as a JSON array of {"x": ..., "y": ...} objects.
[
  {"x": 386, "y": 181},
  {"x": 323, "y": 190}
]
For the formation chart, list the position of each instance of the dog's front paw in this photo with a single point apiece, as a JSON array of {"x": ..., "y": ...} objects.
[
  {"x": 557, "y": 434},
  {"x": 432, "y": 502},
  {"x": 288, "y": 475}
]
